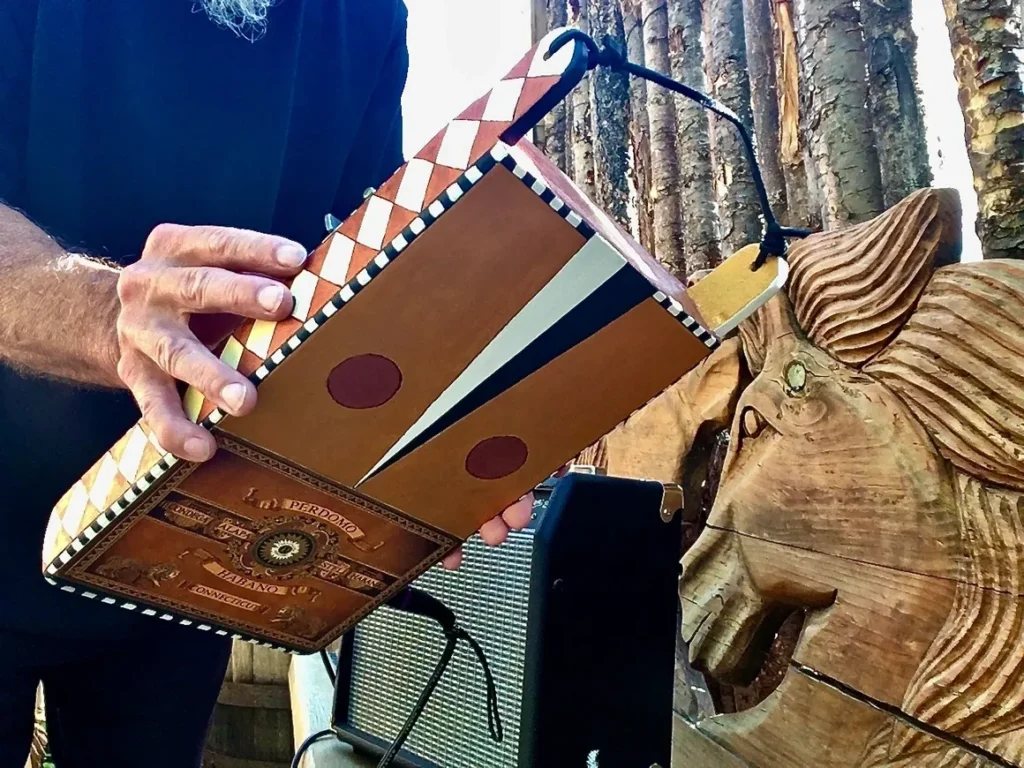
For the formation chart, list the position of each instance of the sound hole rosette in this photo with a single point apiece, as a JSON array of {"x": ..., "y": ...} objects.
[{"x": 284, "y": 549}]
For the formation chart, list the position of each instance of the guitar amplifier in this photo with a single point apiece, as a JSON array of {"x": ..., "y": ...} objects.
[{"x": 577, "y": 617}]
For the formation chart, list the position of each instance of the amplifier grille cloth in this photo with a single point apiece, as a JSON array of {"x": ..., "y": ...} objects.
[{"x": 395, "y": 653}]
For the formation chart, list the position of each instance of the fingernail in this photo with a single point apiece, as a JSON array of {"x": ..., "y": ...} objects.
[
  {"x": 197, "y": 449},
  {"x": 270, "y": 298},
  {"x": 233, "y": 396},
  {"x": 291, "y": 256}
]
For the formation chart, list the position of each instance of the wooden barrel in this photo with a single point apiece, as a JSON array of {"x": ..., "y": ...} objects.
[{"x": 252, "y": 725}]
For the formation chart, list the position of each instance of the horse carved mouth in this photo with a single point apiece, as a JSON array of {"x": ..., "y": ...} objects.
[
  {"x": 741, "y": 643},
  {"x": 759, "y": 668}
]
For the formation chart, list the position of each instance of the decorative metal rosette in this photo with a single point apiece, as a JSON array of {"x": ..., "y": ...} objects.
[
  {"x": 286, "y": 547},
  {"x": 283, "y": 548}
]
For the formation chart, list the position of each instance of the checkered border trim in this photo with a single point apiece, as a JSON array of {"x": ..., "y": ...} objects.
[
  {"x": 113, "y": 512},
  {"x": 676, "y": 310},
  {"x": 502, "y": 155},
  {"x": 444, "y": 202},
  {"x": 128, "y": 605}
]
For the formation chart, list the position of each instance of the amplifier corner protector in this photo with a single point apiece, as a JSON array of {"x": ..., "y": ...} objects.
[{"x": 671, "y": 501}]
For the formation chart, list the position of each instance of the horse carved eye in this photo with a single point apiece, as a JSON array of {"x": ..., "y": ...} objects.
[
  {"x": 796, "y": 377},
  {"x": 752, "y": 423}
]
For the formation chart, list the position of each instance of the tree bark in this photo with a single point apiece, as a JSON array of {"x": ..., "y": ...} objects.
[
  {"x": 738, "y": 210},
  {"x": 639, "y": 125},
  {"x": 896, "y": 111},
  {"x": 581, "y": 127},
  {"x": 665, "y": 199},
  {"x": 610, "y": 116},
  {"x": 700, "y": 220},
  {"x": 555, "y": 134},
  {"x": 987, "y": 52},
  {"x": 792, "y": 147},
  {"x": 841, "y": 138},
  {"x": 764, "y": 93}
]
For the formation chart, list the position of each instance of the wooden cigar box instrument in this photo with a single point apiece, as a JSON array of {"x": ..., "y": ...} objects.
[{"x": 470, "y": 328}]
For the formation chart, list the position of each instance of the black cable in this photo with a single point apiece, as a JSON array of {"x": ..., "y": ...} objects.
[
  {"x": 420, "y": 603},
  {"x": 453, "y": 634},
  {"x": 613, "y": 55},
  {"x": 305, "y": 745},
  {"x": 421, "y": 704},
  {"x": 331, "y": 673},
  {"x": 493, "y": 713}
]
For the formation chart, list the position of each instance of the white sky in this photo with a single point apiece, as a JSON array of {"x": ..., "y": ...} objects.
[{"x": 460, "y": 48}]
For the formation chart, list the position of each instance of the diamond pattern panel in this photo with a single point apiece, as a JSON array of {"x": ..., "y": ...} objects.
[{"x": 106, "y": 481}]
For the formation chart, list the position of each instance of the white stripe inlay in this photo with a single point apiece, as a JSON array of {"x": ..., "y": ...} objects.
[{"x": 593, "y": 265}]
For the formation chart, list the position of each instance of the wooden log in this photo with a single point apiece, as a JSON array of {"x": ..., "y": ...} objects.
[
  {"x": 240, "y": 668},
  {"x": 312, "y": 696},
  {"x": 251, "y": 725},
  {"x": 255, "y": 696}
]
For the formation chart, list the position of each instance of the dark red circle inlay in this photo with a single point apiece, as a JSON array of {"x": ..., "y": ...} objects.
[
  {"x": 496, "y": 457},
  {"x": 364, "y": 381}
]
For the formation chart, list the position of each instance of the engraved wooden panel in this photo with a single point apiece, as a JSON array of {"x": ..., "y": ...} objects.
[{"x": 264, "y": 545}]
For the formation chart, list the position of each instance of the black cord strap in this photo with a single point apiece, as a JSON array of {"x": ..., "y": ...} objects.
[
  {"x": 453, "y": 634},
  {"x": 332, "y": 673},
  {"x": 493, "y": 714},
  {"x": 613, "y": 55}
]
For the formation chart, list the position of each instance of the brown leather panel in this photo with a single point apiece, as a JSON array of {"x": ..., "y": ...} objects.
[
  {"x": 646, "y": 264},
  {"x": 470, "y": 259},
  {"x": 228, "y": 479},
  {"x": 569, "y": 403},
  {"x": 150, "y": 563}
]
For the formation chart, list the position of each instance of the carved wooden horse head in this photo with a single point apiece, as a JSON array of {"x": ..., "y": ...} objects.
[{"x": 874, "y": 480}]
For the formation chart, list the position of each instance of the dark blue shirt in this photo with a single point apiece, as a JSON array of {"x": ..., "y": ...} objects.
[{"x": 121, "y": 114}]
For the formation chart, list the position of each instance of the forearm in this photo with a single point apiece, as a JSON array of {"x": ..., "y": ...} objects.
[{"x": 58, "y": 311}]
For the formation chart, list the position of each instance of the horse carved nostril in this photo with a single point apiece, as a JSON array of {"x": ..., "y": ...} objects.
[{"x": 753, "y": 423}]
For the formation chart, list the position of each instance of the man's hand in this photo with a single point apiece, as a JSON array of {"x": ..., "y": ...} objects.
[
  {"x": 496, "y": 530},
  {"x": 209, "y": 270},
  {"x": 195, "y": 270}
]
